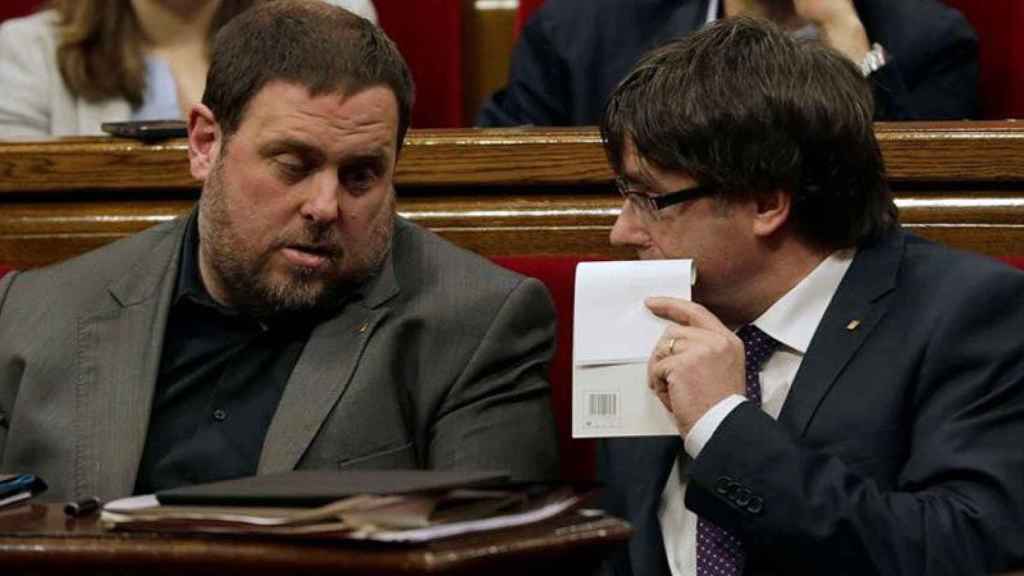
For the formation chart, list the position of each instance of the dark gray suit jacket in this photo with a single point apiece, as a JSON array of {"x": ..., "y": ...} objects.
[
  {"x": 572, "y": 54},
  {"x": 439, "y": 362},
  {"x": 898, "y": 449}
]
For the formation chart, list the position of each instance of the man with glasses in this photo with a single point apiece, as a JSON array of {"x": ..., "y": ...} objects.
[
  {"x": 649, "y": 206},
  {"x": 849, "y": 397}
]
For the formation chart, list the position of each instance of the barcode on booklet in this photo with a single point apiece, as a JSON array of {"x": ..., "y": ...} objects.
[
  {"x": 603, "y": 404},
  {"x": 601, "y": 410}
]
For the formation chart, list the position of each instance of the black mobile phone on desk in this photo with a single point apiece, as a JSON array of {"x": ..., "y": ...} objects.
[{"x": 146, "y": 130}]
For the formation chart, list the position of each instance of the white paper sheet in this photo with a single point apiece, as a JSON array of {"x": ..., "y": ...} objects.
[
  {"x": 611, "y": 323},
  {"x": 614, "y": 335}
]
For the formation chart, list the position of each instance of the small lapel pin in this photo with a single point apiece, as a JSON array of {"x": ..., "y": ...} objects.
[
  {"x": 853, "y": 325},
  {"x": 363, "y": 327}
]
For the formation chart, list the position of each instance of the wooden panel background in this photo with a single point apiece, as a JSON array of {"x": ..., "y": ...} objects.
[{"x": 495, "y": 191}]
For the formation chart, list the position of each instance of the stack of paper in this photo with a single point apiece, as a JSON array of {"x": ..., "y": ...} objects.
[
  {"x": 409, "y": 516},
  {"x": 614, "y": 334}
]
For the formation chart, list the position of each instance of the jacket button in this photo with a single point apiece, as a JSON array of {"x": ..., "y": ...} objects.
[
  {"x": 722, "y": 485},
  {"x": 733, "y": 488},
  {"x": 756, "y": 505},
  {"x": 742, "y": 497}
]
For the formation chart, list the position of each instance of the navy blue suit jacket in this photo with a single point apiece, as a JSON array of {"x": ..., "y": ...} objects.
[
  {"x": 898, "y": 448},
  {"x": 572, "y": 54}
]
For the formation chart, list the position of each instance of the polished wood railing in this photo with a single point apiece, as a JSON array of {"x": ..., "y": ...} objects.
[
  {"x": 38, "y": 539},
  {"x": 498, "y": 192}
]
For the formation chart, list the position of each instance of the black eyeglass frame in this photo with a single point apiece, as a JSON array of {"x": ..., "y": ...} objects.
[{"x": 660, "y": 202}]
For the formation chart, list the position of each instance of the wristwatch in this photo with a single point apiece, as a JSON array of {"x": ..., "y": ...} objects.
[{"x": 874, "y": 59}]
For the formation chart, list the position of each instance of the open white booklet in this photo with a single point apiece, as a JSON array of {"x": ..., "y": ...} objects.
[{"x": 613, "y": 336}]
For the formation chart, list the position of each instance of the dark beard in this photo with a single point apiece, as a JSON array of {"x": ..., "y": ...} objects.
[{"x": 307, "y": 290}]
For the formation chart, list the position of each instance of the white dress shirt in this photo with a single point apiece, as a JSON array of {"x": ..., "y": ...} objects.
[
  {"x": 792, "y": 321},
  {"x": 364, "y": 8}
]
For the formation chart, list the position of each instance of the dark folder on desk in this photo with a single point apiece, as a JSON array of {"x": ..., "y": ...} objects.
[{"x": 301, "y": 488}]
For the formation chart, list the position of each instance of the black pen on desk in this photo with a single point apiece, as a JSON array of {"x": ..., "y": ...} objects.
[{"x": 83, "y": 507}]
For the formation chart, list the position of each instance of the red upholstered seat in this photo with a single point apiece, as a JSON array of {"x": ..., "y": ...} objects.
[
  {"x": 429, "y": 35},
  {"x": 1000, "y": 54},
  {"x": 558, "y": 273},
  {"x": 1015, "y": 261},
  {"x": 16, "y": 8}
]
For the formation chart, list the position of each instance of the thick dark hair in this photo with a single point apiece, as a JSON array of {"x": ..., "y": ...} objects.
[
  {"x": 309, "y": 42},
  {"x": 743, "y": 107}
]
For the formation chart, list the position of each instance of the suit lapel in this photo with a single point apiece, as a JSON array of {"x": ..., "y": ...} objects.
[
  {"x": 323, "y": 373},
  {"x": 318, "y": 381},
  {"x": 855, "y": 310},
  {"x": 118, "y": 356}
]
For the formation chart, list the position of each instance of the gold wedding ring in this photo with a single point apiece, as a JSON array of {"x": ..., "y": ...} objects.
[{"x": 671, "y": 345}]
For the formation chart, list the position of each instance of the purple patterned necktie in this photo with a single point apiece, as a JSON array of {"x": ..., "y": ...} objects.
[{"x": 719, "y": 552}]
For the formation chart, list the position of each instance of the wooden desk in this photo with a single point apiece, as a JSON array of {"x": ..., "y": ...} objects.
[
  {"x": 494, "y": 191},
  {"x": 38, "y": 539}
]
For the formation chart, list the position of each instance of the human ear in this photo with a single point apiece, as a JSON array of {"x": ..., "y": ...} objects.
[
  {"x": 771, "y": 211},
  {"x": 204, "y": 141}
]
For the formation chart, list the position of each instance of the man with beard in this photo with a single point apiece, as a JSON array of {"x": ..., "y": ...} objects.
[{"x": 291, "y": 320}]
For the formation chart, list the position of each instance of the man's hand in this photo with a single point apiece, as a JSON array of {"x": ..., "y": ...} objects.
[
  {"x": 697, "y": 362},
  {"x": 839, "y": 24}
]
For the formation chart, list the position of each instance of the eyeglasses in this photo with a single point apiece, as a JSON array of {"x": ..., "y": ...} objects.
[{"x": 651, "y": 205}]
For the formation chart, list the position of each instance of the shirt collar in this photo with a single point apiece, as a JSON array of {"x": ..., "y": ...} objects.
[
  {"x": 189, "y": 284},
  {"x": 712, "y": 14},
  {"x": 793, "y": 319}
]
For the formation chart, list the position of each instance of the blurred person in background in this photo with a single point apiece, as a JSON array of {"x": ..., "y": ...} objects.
[
  {"x": 69, "y": 68},
  {"x": 920, "y": 55}
]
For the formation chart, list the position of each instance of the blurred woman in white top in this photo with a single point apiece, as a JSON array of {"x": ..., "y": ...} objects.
[{"x": 79, "y": 63}]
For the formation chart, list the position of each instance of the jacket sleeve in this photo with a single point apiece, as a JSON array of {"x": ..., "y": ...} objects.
[
  {"x": 955, "y": 505},
  {"x": 932, "y": 74},
  {"x": 498, "y": 413}
]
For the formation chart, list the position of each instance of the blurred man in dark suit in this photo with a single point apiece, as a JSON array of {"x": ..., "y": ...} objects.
[{"x": 921, "y": 55}]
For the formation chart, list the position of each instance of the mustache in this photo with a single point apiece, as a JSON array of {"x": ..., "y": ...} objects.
[{"x": 317, "y": 238}]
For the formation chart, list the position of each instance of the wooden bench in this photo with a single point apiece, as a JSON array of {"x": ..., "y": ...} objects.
[
  {"x": 534, "y": 200},
  {"x": 498, "y": 192}
]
